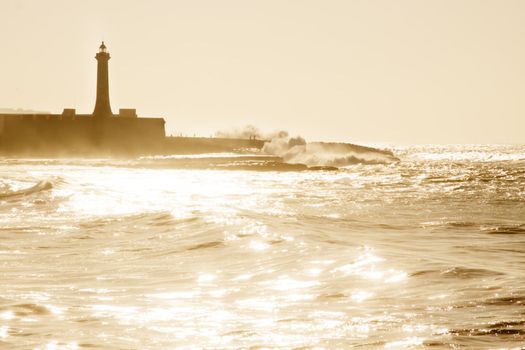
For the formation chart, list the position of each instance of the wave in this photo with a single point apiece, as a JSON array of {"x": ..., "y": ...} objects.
[
  {"x": 208, "y": 161},
  {"x": 458, "y": 272},
  {"x": 39, "y": 187},
  {"x": 464, "y": 153},
  {"x": 489, "y": 228},
  {"x": 506, "y": 300},
  {"x": 253, "y": 162},
  {"x": 297, "y": 151},
  {"x": 27, "y": 309},
  {"x": 505, "y": 229},
  {"x": 470, "y": 332},
  {"x": 465, "y": 272}
]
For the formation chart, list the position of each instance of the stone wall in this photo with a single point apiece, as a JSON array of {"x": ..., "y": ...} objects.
[{"x": 57, "y": 134}]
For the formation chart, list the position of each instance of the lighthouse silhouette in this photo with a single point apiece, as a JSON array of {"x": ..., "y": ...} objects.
[
  {"x": 102, "y": 105},
  {"x": 69, "y": 133}
]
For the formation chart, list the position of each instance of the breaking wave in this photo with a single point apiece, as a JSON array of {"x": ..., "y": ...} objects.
[
  {"x": 298, "y": 151},
  {"x": 295, "y": 150},
  {"x": 40, "y": 186}
]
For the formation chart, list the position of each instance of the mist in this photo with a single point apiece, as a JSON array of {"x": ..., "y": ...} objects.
[{"x": 296, "y": 150}]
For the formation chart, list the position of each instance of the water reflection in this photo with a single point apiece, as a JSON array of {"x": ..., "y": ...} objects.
[
  {"x": 164, "y": 258},
  {"x": 274, "y": 307},
  {"x": 4, "y": 331}
]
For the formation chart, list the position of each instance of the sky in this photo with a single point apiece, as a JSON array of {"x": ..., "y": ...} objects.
[{"x": 370, "y": 71}]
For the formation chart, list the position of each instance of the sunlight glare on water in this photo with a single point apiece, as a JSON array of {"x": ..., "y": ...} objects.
[{"x": 424, "y": 253}]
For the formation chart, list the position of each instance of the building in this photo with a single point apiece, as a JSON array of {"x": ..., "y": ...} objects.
[{"x": 70, "y": 133}]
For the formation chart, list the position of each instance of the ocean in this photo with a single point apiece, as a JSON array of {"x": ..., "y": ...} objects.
[{"x": 157, "y": 253}]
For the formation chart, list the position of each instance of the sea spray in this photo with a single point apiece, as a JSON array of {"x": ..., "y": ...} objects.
[
  {"x": 297, "y": 151},
  {"x": 250, "y": 132},
  {"x": 40, "y": 186}
]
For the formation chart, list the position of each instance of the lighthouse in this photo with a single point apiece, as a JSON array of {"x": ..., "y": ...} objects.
[
  {"x": 100, "y": 132},
  {"x": 102, "y": 106}
]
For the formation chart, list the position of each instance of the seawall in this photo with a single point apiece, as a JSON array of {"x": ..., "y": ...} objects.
[{"x": 192, "y": 145}]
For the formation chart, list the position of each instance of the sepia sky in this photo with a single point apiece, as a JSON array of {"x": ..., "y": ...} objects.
[{"x": 372, "y": 71}]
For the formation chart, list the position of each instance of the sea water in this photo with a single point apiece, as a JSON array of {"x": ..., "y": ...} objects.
[{"x": 428, "y": 252}]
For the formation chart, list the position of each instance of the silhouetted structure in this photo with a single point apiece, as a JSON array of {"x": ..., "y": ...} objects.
[
  {"x": 102, "y": 132},
  {"x": 102, "y": 106},
  {"x": 79, "y": 134}
]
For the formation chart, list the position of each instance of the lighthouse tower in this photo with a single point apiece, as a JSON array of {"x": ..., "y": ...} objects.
[{"x": 102, "y": 106}]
